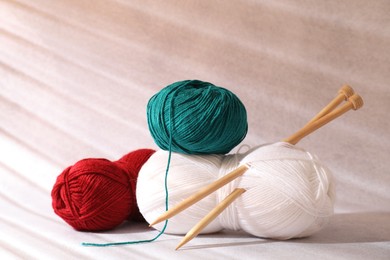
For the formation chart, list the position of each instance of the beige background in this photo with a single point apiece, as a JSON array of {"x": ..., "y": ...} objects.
[{"x": 75, "y": 77}]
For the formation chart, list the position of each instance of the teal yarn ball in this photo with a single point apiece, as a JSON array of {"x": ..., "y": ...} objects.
[{"x": 196, "y": 117}]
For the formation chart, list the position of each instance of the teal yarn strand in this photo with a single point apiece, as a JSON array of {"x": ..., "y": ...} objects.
[
  {"x": 129, "y": 242},
  {"x": 192, "y": 117},
  {"x": 166, "y": 206},
  {"x": 165, "y": 224},
  {"x": 200, "y": 117}
]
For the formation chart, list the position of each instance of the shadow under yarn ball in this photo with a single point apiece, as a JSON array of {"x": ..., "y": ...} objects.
[{"x": 196, "y": 117}]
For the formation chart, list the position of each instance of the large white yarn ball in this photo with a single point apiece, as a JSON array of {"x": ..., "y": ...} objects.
[{"x": 289, "y": 192}]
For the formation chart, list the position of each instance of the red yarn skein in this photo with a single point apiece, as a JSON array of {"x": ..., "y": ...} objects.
[{"x": 97, "y": 194}]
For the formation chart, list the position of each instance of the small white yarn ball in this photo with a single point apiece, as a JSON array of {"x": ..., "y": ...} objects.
[
  {"x": 289, "y": 192},
  {"x": 187, "y": 174}
]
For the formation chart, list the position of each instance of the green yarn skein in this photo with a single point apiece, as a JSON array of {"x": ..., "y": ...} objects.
[{"x": 197, "y": 117}]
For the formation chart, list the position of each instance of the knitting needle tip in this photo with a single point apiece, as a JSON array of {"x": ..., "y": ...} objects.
[
  {"x": 183, "y": 242},
  {"x": 156, "y": 221}
]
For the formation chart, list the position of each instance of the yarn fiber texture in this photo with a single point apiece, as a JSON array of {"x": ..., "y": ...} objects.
[
  {"x": 98, "y": 194},
  {"x": 196, "y": 117},
  {"x": 289, "y": 192}
]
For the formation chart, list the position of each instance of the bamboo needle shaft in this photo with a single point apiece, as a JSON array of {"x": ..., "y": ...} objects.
[
  {"x": 343, "y": 94},
  {"x": 211, "y": 216},
  {"x": 201, "y": 194},
  {"x": 354, "y": 102}
]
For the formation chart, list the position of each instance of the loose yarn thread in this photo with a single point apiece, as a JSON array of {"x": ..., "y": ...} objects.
[
  {"x": 289, "y": 191},
  {"x": 219, "y": 121}
]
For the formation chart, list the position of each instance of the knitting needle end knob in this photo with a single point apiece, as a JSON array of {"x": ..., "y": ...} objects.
[
  {"x": 347, "y": 91},
  {"x": 356, "y": 100}
]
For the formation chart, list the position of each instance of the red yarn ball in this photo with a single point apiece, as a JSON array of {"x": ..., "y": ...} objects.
[{"x": 97, "y": 194}]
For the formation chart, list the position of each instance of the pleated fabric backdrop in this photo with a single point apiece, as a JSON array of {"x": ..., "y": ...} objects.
[{"x": 75, "y": 78}]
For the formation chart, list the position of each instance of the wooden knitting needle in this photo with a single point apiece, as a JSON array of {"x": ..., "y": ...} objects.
[
  {"x": 354, "y": 102},
  {"x": 343, "y": 94},
  {"x": 211, "y": 216},
  {"x": 215, "y": 185},
  {"x": 204, "y": 192}
]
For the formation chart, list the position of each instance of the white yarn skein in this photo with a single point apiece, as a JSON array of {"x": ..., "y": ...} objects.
[
  {"x": 187, "y": 174},
  {"x": 289, "y": 191}
]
